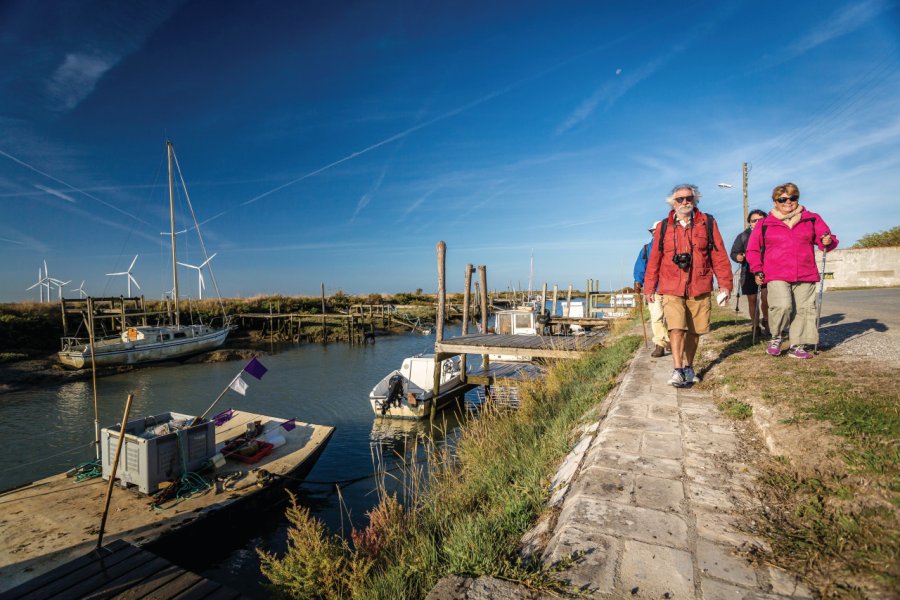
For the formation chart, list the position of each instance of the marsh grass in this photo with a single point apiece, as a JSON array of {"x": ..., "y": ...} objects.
[
  {"x": 465, "y": 510},
  {"x": 833, "y": 499}
]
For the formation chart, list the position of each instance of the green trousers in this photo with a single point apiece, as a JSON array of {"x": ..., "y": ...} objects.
[{"x": 793, "y": 305}]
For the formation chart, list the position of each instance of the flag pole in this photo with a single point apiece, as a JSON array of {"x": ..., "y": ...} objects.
[{"x": 216, "y": 401}]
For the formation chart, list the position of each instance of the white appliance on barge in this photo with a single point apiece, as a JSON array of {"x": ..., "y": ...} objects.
[{"x": 406, "y": 393}]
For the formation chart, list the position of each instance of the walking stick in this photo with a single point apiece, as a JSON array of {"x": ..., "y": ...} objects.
[
  {"x": 641, "y": 308},
  {"x": 755, "y": 319},
  {"x": 819, "y": 307}
]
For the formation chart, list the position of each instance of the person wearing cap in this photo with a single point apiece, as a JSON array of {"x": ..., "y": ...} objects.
[
  {"x": 682, "y": 273},
  {"x": 657, "y": 322},
  {"x": 749, "y": 287}
]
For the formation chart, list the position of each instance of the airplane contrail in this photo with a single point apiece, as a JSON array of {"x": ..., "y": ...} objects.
[
  {"x": 415, "y": 128},
  {"x": 72, "y": 187}
]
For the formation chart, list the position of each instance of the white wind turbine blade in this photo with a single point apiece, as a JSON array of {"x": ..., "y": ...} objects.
[
  {"x": 132, "y": 262},
  {"x": 206, "y": 262}
]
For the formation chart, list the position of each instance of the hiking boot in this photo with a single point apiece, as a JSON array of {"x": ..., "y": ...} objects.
[
  {"x": 689, "y": 375},
  {"x": 658, "y": 351},
  {"x": 799, "y": 351},
  {"x": 677, "y": 379},
  {"x": 774, "y": 348}
]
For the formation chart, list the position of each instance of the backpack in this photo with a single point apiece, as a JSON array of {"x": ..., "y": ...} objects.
[{"x": 709, "y": 232}]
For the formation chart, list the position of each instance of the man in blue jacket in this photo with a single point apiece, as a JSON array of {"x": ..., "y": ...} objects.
[{"x": 657, "y": 322}]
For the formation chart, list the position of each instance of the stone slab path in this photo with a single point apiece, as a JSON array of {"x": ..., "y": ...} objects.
[{"x": 651, "y": 496}]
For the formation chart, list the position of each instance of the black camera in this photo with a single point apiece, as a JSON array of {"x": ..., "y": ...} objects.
[{"x": 683, "y": 260}]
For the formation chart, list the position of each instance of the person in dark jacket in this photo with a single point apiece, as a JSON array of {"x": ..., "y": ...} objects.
[
  {"x": 657, "y": 322},
  {"x": 781, "y": 253},
  {"x": 692, "y": 251},
  {"x": 747, "y": 281}
]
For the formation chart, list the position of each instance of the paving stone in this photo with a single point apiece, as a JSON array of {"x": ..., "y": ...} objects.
[
  {"x": 662, "y": 445},
  {"x": 669, "y": 413},
  {"x": 651, "y": 571},
  {"x": 705, "y": 497},
  {"x": 720, "y": 590},
  {"x": 649, "y": 465},
  {"x": 622, "y": 520},
  {"x": 629, "y": 409},
  {"x": 616, "y": 440},
  {"x": 724, "y": 528},
  {"x": 605, "y": 484},
  {"x": 786, "y": 584},
  {"x": 718, "y": 561},
  {"x": 595, "y": 568},
  {"x": 643, "y": 424},
  {"x": 659, "y": 493}
]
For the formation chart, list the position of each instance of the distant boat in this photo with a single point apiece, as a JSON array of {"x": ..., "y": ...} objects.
[
  {"x": 143, "y": 343},
  {"x": 517, "y": 321},
  {"x": 407, "y": 393}
]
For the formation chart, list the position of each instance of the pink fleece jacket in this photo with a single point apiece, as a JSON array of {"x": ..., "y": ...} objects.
[{"x": 788, "y": 253}]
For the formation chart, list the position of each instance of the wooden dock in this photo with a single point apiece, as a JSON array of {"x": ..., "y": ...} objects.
[
  {"x": 54, "y": 520},
  {"x": 534, "y": 346},
  {"x": 118, "y": 571}
]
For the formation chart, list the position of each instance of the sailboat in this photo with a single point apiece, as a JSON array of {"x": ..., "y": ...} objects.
[{"x": 144, "y": 343}]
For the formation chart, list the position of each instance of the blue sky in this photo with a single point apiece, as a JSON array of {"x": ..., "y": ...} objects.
[{"x": 338, "y": 142}]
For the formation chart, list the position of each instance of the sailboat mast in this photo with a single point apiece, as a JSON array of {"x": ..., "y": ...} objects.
[{"x": 170, "y": 150}]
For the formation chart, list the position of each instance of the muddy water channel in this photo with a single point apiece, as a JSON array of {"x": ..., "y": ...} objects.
[{"x": 45, "y": 431}]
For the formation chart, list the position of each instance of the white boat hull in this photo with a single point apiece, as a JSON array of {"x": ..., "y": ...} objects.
[
  {"x": 143, "y": 351},
  {"x": 417, "y": 374}
]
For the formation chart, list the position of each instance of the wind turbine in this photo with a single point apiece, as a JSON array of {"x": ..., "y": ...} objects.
[
  {"x": 39, "y": 285},
  {"x": 131, "y": 278},
  {"x": 59, "y": 286},
  {"x": 201, "y": 285},
  {"x": 80, "y": 290}
]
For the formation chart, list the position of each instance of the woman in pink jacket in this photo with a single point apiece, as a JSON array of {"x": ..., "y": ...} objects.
[{"x": 781, "y": 254}]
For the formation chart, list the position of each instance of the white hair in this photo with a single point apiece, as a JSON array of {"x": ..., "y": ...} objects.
[{"x": 684, "y": 186}]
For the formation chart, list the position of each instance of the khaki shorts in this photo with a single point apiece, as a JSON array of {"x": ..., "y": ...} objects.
[{"x": 690, "y": 314}]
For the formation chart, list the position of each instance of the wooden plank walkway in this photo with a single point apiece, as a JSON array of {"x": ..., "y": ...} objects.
[
  {"x": 535, "y": 346},
  {"x": 120, "y": 571}
]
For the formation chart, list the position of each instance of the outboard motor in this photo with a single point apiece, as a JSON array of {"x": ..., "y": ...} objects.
[{"x": 394, "y": 395}]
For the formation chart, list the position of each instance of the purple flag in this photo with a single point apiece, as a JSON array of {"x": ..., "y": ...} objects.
[
  {"x": 289, "y": 425},
  {"x": 255, "y": 368},
  {"x": 223, "y": 417}
]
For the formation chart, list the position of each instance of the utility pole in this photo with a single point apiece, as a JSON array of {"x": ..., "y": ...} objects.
[{"x": 746, "y": 208}]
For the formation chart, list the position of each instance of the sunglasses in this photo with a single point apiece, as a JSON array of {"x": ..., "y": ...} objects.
[
  {"x": 683, "y": 199},
  {"x": 755, "y": 221},
  {"x": 793, "y": 198}
]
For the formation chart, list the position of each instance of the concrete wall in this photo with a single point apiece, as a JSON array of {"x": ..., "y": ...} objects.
[{"x": 865, "y": 267}]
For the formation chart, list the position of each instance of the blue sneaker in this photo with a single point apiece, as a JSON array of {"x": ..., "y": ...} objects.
[{"x": 689, "y": 376}]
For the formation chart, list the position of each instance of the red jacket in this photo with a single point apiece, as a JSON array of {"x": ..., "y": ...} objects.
[
  {"x": 789, "y": 253},
  {"x": 668, "y": 278}
]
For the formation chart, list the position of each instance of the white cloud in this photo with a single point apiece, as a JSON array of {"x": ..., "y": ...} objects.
[{"x": 75, "y": 79}]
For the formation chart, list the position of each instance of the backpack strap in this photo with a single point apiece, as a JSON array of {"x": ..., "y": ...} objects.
[
  {"x": 709, "y": 231},
  {"x": 645, "y": 252},
  {"x": 662, "y": 232}
]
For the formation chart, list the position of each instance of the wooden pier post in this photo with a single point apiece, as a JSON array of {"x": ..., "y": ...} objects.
[
  {"x": 439, "y": 323},
  {"x": 324, "y": 325},
  {"x": 568, "y": 301},
  {"x": 467, "y": 299},
  {"x": 555, "y": 296},
  {"x": 482, "y": 275}
]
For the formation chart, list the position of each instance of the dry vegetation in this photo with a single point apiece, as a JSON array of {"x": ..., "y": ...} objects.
[{"x": 831, "y": 489}]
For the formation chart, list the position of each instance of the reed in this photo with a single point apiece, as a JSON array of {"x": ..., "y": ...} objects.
[{"x": 466, "y": 508}]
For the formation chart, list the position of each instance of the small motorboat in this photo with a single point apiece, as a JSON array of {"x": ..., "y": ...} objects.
[{"x": 407, "y": 393}]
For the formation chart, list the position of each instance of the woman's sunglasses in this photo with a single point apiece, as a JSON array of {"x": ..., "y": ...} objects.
[{"x": 793, "y": 198}]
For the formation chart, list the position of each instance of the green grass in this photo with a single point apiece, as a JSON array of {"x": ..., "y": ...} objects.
[
  {"x": 832, "y": 506},
  {"x": 476, "y": 505},
  {"x": 736, "y": 409}
]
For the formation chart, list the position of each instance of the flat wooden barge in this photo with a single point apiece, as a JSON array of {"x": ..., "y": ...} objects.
[{"x": 51, "y": 521}]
